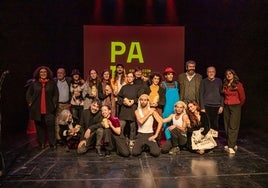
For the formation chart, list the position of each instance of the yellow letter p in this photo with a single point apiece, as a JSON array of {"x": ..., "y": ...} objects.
[{"x": 117, "y": 48}]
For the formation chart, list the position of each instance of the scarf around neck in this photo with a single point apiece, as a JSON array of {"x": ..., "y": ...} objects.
[{"x": 43, "y": 108}]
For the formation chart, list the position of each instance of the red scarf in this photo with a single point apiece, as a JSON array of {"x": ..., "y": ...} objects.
[{"x": 43, "y": 108}]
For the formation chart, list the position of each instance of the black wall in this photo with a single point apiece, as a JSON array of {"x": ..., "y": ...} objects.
[{"x": 223, "y": 33}]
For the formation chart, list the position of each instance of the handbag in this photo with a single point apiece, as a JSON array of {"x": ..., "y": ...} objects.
[{"x": 208, "y": 142}]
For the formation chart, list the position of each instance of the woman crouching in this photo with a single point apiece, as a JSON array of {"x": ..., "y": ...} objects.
[
  {"x": 69, "y": 130},
  {"x": 198, "y": 120}
]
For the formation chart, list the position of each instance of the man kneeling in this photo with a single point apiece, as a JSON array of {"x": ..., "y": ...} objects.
[{"x": 146, "y": 137}]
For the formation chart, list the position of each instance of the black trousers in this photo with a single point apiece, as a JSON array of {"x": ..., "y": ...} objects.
[
  {"x": 141, "y": 141},
  {"x": 46, "y": 125},
  {"x": 114, "y": 141},
  {"x": 213, "y": 117},
  {"x": 177, "y": 139},
  {"x": 95, "y": 138},
  {"x": 131, "y": 134}
]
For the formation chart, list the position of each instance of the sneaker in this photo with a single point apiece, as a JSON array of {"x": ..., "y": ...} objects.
[
  {"x": 236, "y": 147},
  {"x": 107, "y": 154},
  {"x": 174, "y": 151},
  {"x": 226, "y": 148},
  {"x": 231, "y": 151}
]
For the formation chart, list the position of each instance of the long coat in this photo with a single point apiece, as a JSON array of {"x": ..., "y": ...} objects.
[
  {"x": 130, "y": 91},
  {"x": 33, "y": 97}
]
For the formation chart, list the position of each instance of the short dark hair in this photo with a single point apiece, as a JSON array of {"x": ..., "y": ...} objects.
[
  {"x": 153, "y": 74},
  {"x": 96, "y": 101},
  {"x": 138, "y": 69},
  {"x": 190, "y": 62},
  {"x": 119, "y": 65}
]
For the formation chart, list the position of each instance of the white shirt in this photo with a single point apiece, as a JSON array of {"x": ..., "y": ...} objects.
[
  {"x": 178, "y": 122},
  {"x": 147, "y": 126}
]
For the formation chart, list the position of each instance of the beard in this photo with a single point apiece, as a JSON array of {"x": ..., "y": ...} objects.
[
  {"x": 191, "y": 71},
  {"x": 120, "y": 71}
]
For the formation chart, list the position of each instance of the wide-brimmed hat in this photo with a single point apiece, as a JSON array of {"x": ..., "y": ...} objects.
[
  {"x": 169, "y": 70},
  {"x": 75, "y": 72}
]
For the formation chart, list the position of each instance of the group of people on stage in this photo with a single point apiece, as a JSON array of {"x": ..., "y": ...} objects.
[{"x": 129, "y": 113}]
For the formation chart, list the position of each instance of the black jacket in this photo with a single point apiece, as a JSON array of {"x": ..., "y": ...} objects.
[{"x": 33, "y": 97}]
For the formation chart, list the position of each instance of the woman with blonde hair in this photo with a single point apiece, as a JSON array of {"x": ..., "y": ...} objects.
[{"x": 69, "y": 129}]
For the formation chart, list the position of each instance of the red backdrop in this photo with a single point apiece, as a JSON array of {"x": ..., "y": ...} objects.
[{"x": 149, "y": 47}]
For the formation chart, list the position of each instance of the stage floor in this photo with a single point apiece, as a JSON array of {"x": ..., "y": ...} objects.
[{"x": 28, "y": 166}]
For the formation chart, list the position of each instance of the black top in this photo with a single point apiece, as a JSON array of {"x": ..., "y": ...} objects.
[{"x": 204, "y": 123}]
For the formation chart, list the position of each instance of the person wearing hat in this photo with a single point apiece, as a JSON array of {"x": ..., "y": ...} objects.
[
  {"x": 76, "y": 88},
  {"x": 190, "y": 83},
  {"x": 172, "y": 96}
]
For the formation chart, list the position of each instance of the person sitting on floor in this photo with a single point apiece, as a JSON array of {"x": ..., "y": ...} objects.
[
  {"x": 145, "y": 116},
  {"x": 178, "y": 128},
  {"x": 91, "y": 117},
  {"x": 112, "y": 134},
  {"x": 198, "y": 119}
]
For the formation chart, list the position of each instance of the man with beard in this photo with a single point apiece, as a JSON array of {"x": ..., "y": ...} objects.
[
  {"x": 189, "y": 83},
  {"x": 117, "y": 82},
  {"x": 146, "y": 116},
  {"x": 90, "y": 118}
]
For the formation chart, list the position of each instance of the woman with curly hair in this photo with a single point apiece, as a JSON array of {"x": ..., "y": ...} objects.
[
  {"x": 234, "y": 98},
  {"x": 42, "y": 98}
]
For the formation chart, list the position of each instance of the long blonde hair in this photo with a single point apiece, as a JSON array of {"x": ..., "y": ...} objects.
[
  {"x": 139, "y": 103},
  {"x": 64, "y": 117}
]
